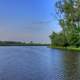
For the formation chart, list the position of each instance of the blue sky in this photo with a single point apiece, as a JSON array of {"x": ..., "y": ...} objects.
[{"x": 27, "y": 20}]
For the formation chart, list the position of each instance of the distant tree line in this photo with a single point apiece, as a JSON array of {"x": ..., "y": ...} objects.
[
  {"x": 68, "y": 14},
  {"x": 10, "y": 43},
  {"x": 16, "y": 43}
]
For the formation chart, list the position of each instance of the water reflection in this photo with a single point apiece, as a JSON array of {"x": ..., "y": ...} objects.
[
  {"x": 38, "y": 63},
  {"x": 71, "y": 66}
]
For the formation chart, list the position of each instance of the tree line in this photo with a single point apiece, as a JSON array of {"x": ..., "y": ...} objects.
[
  {"x": 18, "y": 43},
  {"x": 68, "y": 14}
]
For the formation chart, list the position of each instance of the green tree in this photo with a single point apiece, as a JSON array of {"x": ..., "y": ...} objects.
[{"x": 68, "y": 12}]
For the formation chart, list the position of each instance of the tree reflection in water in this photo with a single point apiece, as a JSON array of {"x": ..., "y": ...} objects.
[{"x": 71, "y": 66}]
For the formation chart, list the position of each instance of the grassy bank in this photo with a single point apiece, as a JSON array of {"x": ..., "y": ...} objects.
[{"x": 67, "y": 48}]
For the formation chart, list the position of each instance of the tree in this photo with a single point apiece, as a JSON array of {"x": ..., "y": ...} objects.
[{"x": 68, "y": 12}]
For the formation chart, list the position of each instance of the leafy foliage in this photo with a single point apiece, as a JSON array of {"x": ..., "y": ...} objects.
[{"x": 69, "y": 19}]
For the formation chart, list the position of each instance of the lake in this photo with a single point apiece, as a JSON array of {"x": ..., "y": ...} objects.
[{"x": 38, "y": 63}]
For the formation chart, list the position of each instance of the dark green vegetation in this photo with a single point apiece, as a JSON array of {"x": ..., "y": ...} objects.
[
  {"x": 14, "y": 43},
  {"x": 68, "y": 14}
]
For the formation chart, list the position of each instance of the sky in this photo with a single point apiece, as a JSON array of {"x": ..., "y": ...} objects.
[{"x": 27, "y": 20}]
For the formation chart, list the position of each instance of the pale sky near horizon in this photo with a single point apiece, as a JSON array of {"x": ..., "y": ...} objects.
[{"x": 27, "y": 20}]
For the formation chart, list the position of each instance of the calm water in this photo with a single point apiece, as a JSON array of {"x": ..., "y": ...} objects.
[{"x": 38, "y": 63}]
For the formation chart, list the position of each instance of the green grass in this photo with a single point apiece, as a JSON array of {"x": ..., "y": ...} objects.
[{"x": 67, "y": 48}]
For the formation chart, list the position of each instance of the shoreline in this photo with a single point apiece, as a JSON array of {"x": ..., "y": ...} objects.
[
  {"x": 66, "y": 48},
  {"x": 23, "y": 45}
]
